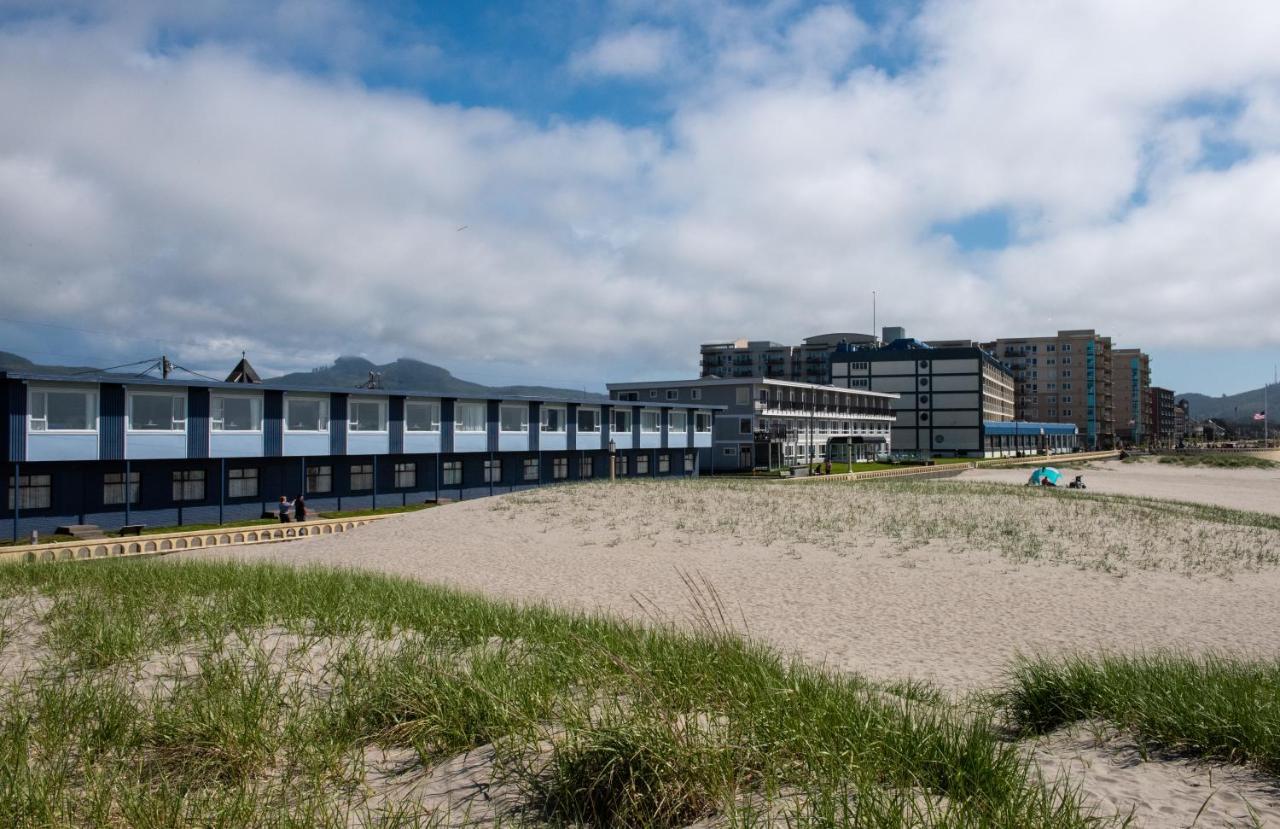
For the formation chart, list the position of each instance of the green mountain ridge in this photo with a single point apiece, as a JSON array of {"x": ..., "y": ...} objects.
[{"x": 1233, "y": 407}]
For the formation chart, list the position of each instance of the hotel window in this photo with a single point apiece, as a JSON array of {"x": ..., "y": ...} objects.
[
  {"x": 469, "y": 417},
  {"x": 319, "y": 480},
  {"x": 554, "y": 418},
  {"x": 629, "y": 395},
  {"x": 742, "y": 396},
  {"x": 531, "y": 469},
  {"x": 493, "y": 471},
  {"x": 37, "y": 491},
  {"x": 451, "y": 473},
  {"x": 673, "y": 394},
  {"x": 406, "y": 475},
  {"x": 63, "y": 410},
  {"x": 1066, "y": 346},
  {"x": 421, "y": 416},
  {"x": 588, "y": 420},
  {"x": 688, "y": 461},
  {"x": 664, "y": 462},
  {"x": 242, "y": 482},
  {"x": 650, "y": 421},
  {"x": 1066, "y": 398},
  {"x": 513, "y": 418},
  {"x": 367, "y": 415},
  {"x": 586, "y": 468},
  {"x": 642, "y": 464},
  {"x": 653, "y": 394},
  {"x": 361, "y": 476},
  {"x": 306, "y": 414},
  {"x": 624, "y": 463},
  {"x": 677, "y": 422},
  {"x": 115, "y": 490},
  {"x": 622, "y": 421},
  {"x": 695, "y": 394},
  {"x": 157, "y": 412},
  {"x": 702, "y": 422},
  {"x": 560, "y": 468},
  {"x": 188, "y": 485},
  {"x": 729, "y": 452},
  {"x": 744, "y": 425},
  {"x": 235, "y": 414}
]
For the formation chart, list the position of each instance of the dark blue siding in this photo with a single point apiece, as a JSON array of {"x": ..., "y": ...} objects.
[
  {"x": 111, "y": 423},
  {"x": 337, "y": 424},
  {"x": 635, "y": 426},
  {"x": 491, "y": 426},
  {"x": 535, "y": 427},
  {"x": 606, "y": 424},
  {"x": 197, "y": 422},
  {"x": 571, "y": 434},
  {"x": 446, "y": 424},
  {"x": 662, "y": 420},
  {"x": 395, "y": 426},
  {"x": 273, "y": 424},
  {"x": 17, "y": 421}
]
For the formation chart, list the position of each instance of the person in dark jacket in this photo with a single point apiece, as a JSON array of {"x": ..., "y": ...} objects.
[{"x": 300, "y": 509}]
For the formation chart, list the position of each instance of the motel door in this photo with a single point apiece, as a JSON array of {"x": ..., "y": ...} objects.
[{"x": 744, "y": 457}]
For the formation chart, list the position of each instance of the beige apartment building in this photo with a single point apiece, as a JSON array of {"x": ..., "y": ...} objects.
[
  {"x": 1066, "y": 378},
  {"x": 1131, "y": 381}
]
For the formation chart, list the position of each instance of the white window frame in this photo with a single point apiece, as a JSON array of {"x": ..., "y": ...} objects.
[
  {"x": 671, "y": 426},
  {"x": 559, "y": 469},
  {"x": 595, "y": 411},
  {"x": 451, "y": 473},
  {"x": 172, "y": 395},
  {"x": 185, "y": 481},
  {"x": 361, "y": 471},
  {"x": 531, "y": 465},
  {"x": 218, "y": 424},
  {"x": 323, "y": 413},
  {"x": 673, "y": 394},
  {"x": 543, "y": 419},
  {"x": 642, "y": 460},
  {"x": 657, "y": 421},
  {"x": 353, "y": 402},
  {"x": 318, "y": 473},
  {"x": 492, "y": 470},
  {"x": 625, "y": 411},
  {"x": 30, "y": 489},
  {"x": 698, "y": 419},
  {"x": 433, "y": 416},
  {"x": 406, "y": 475},
  {"x": 523, "y": 409},
  {"x": 458, "y": 408},
  {"x": 241, "y": 479},
  {"x": 695, "y": 394},
  {"x": 91, "y": 410}
]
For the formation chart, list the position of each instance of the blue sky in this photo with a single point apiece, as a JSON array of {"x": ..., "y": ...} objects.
[{"x": 288, "y": 177}]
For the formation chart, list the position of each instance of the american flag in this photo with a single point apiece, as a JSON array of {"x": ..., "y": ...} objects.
[{"x": 1259, "y": 415}]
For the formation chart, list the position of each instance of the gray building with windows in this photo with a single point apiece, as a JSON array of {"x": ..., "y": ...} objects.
[{"x": 807, "y": 363}]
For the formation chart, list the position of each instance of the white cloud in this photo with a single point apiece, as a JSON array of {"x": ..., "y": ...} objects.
[{"x": 638, "y": 52}]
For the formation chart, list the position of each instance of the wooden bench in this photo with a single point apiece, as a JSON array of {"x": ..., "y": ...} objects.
[{"x": 132, "y": 529}]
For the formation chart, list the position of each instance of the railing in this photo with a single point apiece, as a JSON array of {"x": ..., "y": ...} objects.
[
  {"x": 944, "y": 470},
  {"x": 162, "y": 543}
]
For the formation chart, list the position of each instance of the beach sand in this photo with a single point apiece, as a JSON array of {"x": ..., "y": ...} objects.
[{"x": 886, "y": 597}]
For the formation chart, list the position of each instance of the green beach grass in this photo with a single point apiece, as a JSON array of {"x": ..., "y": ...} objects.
[
  {"x": 174, "y": 693},
  {"x": 1219, "y": 460}
]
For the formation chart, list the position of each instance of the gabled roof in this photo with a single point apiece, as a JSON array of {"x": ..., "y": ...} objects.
[{"x": 243, "y": 372}]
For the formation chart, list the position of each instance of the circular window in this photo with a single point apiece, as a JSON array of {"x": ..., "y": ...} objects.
[
  {"x": 924, "y": 417},
  {"x": 939, "y": 439},
  {"x": 924, "y": 364},
  {"x": 924, "y": 398},
  {"x": 924, "y": 382}
]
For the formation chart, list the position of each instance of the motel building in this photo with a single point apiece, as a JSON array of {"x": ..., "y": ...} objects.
[
  {"x": 767, "y": 423},
  {"x": 114, "y": 451}
]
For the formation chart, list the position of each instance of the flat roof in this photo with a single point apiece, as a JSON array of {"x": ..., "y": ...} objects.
[
  {"x": 1025, "y": 427},
  {"x": 737, "y": 381},
  {"x": 130, "y": 380}
]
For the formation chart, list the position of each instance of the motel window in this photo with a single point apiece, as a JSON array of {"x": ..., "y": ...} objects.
[
  {"x": 560, "y": 468},
  {"x": 319, "y": 480},
  {"x": 688, "y": 461},
  {"x": 742, "y": 396},
  {"x": 493, "y": 470},
  {"x": 242, "y": 482},
  {"x": 642, "y": 464},
  {"x": 188, "y": 485},
  {"x": 653, "y": 394},
  {"x": 451, "y": 473},
  {"x": 744, "y": 425},
  {"x": 513, "y": 418},
  {"x": 306, "y": 414},
  {"x": 235, "y": 414},
  {"x": 695, "y": 394},
  {"x": 157, "y": 412},
  {"x": 469, "y": 417},
  {"x": 702, "y": 422},
  {"x": 115, "y": 489},
  {"x": 677, "y": 422},
  {"x": 406, "y": 475},
  {"x": 624, "y": 465},
  {"x": 650, "y": 421},
  {"x": 729, "y": 452},
  {"x": 586, "y": 467},
  {"x": 588, "y": 420},
  {"x": 367, "y": 415},
  {"x": 629, "y": 395},
  {"x": 664, "y": 462},
  {"x": 554, "y": 418},
  {"x": 37, "y": 491},
  {"x": 531, "y": 469},
  {"x": 673, "y": 394},
  {"x": 63, "y": 410},
  {"x": 421, "y": 416},
  {"x": 361, "y": 476},
  {"x": 622, "y": 421}
]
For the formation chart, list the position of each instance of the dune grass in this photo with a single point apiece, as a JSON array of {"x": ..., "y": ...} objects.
[
  {"x": 1219, "y": 460},
  {"x": 225, "y": 694},
  {"x": 1215, "y": 707}
]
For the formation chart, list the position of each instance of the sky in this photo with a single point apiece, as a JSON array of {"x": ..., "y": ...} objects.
[{"x": 574, "y": 192}]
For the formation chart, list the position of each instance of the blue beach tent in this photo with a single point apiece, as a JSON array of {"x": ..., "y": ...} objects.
[{"x": 1045, "y": 473}]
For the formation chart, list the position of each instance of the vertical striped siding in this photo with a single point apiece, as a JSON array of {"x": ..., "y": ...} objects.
[
  {"x": 606, "y": 426},
  {"x": 571, "y": 431},
  {"x": 635, "y": 426},
  {"x": 535, "y": 426},
  {"x": 395, "y": 426},
  {"x": 17, "y": 421},
  {"x": 197, "y": 422},
  {"x": 663, "y": 418},
  {"x": 337, "y": 424},
  {"x": 273, "y": 424},
  {"x": 111, "y": 422},
  {"x": 446, "y": 424},
  {"x": 491, "y": 424}
]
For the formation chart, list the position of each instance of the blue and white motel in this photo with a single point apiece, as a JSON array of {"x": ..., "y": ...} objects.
[{"x": 111, "y": 451}]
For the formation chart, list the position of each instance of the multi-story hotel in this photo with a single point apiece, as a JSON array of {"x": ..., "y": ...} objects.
[
  {"x": 953, "y": 401},
  {"x": 808, "y": 363},
  {"x": 1131, "y": 381},
  {"x": 1164, "y": 418},
  {"x": 112, "y": 450},
  {"x": 774, "y": 423},
  {"x": 1063, "y": 379}
]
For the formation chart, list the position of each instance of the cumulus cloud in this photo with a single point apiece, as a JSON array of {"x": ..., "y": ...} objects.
[{"x": 214, "y": 196}]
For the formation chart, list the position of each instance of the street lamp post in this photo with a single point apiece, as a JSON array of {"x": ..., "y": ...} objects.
[{"x": 613, "y": 460}]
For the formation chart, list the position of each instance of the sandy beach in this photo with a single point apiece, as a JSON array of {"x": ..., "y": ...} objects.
[{"x": 888, "y": 581}]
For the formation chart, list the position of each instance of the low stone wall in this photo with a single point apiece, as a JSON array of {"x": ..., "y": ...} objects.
[
  {"x": 162, "y": 543},
  {"x": 1051, "y": 460},
  {"x": 942, "y": 470}
]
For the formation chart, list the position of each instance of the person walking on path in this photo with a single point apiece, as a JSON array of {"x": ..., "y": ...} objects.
[
  {"x": 300, "y": 509},
  {"x": 285, "y": 506}
]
